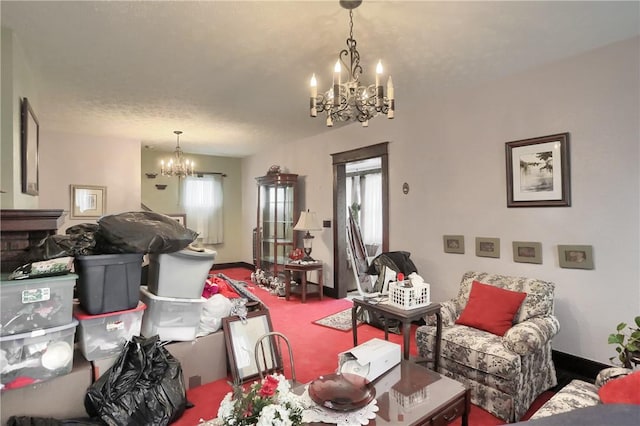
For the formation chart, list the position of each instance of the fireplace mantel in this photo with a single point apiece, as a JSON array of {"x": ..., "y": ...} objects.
[{"x": 20, "y": 229}]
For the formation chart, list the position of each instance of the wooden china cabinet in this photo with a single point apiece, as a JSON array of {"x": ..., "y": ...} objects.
[{"x": 277, "y": 215}]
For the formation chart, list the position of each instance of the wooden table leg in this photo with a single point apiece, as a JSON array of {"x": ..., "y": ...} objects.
[
  {"x": 436, "y": 357},
  {"x": 406, "y": 329},
  {"x": 320, "y": 284},
  {"x": 386, "y": 328},
  {"x": 354, "y": 328},
  {"x": 287, "y": 284},
  {"x": 304, "y": 286},
  {"x": 467, "y": 408}
]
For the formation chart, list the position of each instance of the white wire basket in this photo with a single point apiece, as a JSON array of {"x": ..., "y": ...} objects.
[{"x": 409, "y": 297}]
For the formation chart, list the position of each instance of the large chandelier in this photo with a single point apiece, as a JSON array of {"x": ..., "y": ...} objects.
[
  {"x": 350, "y": 100},
  {"x": 178, "y": 165}
]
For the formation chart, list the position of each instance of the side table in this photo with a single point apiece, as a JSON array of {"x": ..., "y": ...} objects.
[
  {"x": 303, "y": 268},
  {"x": 406, "y": 316}
]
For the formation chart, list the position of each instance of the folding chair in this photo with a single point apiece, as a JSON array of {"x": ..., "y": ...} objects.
[{"x": 269, "y": 355}]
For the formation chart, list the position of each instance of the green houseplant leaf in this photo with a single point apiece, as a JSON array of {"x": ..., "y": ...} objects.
[{"x": 627, "y": 339}]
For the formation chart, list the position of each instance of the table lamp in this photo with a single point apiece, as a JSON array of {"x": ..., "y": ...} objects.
[{"x": 307, "y": 222}]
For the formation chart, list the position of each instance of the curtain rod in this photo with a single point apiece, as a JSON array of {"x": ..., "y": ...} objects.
[{"x": 209, "y": 173}]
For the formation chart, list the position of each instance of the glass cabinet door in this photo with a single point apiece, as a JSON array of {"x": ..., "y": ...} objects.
[{"x": 276, "y": 219}]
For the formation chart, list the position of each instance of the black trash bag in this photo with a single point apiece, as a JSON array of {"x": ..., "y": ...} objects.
[
  {"x": 142, "y": 232},
  {"x": 144, "y": 387},
  {"x": 51, "y": 247},
  {"x": 397, "y": 260},
  {"x": 48, "y": 421},
  {"x": 78, "y": 241},
  {"x": 84, "y": 236}
]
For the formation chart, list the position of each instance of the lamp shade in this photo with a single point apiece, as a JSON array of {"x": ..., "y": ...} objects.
[{"x": 307, "y": 222}]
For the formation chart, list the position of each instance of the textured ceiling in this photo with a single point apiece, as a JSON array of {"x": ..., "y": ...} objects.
[{"x": 233, "y": 75}]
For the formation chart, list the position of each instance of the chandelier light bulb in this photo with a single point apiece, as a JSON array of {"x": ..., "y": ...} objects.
[{"x": 378, "y": 73}]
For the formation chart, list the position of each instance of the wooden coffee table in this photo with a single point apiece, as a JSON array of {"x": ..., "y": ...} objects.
[
  {"x": 412, "y": 395},
  {"x": 405, "y": 316}
]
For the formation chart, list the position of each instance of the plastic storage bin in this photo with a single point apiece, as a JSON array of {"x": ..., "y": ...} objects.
[
  {"x": 108, "y": 282},
  {"x": 35, "y": 303},
  {"x": 35, "y": 356},
  {"x": 170, "y": 318},
  {"x": 179, "y": 274},
  {"x": 104, "y": 335}
]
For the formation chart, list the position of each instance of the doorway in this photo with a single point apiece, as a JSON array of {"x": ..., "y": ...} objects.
[{"x": 343, "y": 161}]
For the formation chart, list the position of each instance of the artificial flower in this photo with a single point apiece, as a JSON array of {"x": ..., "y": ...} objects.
[{"x": 268, "y": 402}]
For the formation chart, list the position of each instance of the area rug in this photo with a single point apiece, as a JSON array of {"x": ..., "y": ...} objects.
[{"x": 339, "y": 321}]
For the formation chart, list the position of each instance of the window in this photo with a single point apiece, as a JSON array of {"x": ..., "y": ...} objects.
[{"x": 203, "y": 201}]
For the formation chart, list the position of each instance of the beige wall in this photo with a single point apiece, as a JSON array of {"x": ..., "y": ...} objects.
[
  {"x": 17, "y": 83},
  {"x": 450, "y": 149},
  {"x": 167, "y": 200},
  {"x": 72, "y": 159}
]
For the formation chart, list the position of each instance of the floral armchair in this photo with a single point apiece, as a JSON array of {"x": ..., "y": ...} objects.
[
  {"x": 505, "y": 373},
  {"x": 579, "y": 394}
]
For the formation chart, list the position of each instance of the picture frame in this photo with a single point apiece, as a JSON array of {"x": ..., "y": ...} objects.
[
  {"x": 453, "y": 243},
  {"x": 88, "y": 201},
  {"x": 527, "y": 252},
  {"x": 241, "y": 337},
  {"x": 487, "y": 247},
  {"x": 29, "y": 148},
  {"x": 538, "y": 172},
  {"x": 576, "y": 256},
  {"x": 181, "y": 218}
]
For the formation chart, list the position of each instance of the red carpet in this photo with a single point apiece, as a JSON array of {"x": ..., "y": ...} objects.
[{"x": 315, "y": 350}]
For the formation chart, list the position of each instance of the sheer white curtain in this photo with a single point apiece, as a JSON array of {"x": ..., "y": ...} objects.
[
  {"x": 202, "y": 200},
  {"x": 371, "y": 208}
]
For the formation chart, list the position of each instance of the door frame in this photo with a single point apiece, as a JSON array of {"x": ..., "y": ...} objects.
[{"x": 340, "y": 159}]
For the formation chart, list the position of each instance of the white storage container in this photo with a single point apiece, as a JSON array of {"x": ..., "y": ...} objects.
[
  {"x": 104, "y": 335},
  {"x": 180, "y": 274},
  {"x": 35, "y": 356},
  {"x": 171, "y": 318},
  {"x": 35, "y": 303}
]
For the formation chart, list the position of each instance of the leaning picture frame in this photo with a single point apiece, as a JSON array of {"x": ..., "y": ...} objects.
[
  {"x": 181, "y": 218},
  {"x": 241, "y": 336},
  {"x": 575, "y": 256},
  {"x": 88, "y": 201},
  {"x": 487, "y": 247},
  {"x": 453, "y": 243},
  {"x": 538, "y": 172},
  {"x": 527, "y": 252},
  {"x": 29, "y": 148}
]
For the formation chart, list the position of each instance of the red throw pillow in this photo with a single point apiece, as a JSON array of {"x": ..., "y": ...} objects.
[
  {"x": 624, "y": 390},
  {"x": 491, "y": 308}
]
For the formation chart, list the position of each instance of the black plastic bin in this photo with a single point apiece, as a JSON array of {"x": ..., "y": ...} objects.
[{"x": 108, "y": 282}]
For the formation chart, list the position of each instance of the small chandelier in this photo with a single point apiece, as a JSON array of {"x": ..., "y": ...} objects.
[
  {"x": 178, "y": 165},
  {"x": 350, "y": 100}
]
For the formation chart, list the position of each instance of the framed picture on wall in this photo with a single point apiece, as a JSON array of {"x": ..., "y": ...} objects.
[
  {"x": 527, "y": 252},
  {"x": 88, "y": 201},
  {"x": 487, "y": 247},
  {"x": 453, "y": 243},
  {"x": 538, "y": 172},
  {"x": 575, "y": 257}
]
